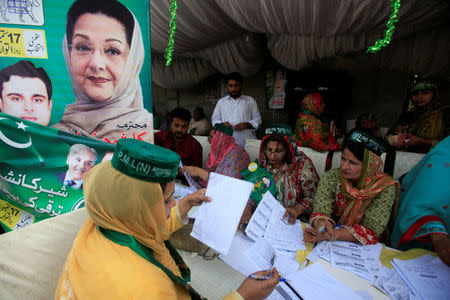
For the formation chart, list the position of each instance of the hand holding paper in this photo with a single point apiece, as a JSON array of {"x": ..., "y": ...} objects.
[{"x": 216, "y": 221}]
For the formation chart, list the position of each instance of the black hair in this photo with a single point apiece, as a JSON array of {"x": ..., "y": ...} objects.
[
  {"x": 361, "y": 117},
  {"x": 235, "y": 76},
  {"x": 356, "y": 149},
  {"x": 180, "y": 113},
  {"x": 200, "y": 111},
  {"x": 283, "y": 72},
  {"x": 25, "y": 69},
  {"x": 281, "y": 140},
  {"x": 110, "y": 8}
]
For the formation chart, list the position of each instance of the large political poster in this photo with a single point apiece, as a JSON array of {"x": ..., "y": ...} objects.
[{"x": 75, "y": 77}]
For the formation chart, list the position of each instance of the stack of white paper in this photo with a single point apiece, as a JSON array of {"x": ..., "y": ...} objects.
[
  {"x": 361, "y": 260},
  {"x": 247, "y": 256},
  {"x": 393, "y": 286},
  {"x": 427, "y": 276},
  {"x": 216, "y": 221},
  {"x": 237, "y": 257},
  {"x": 315, "y": 282},
  {"x": 267, "y": 221}
]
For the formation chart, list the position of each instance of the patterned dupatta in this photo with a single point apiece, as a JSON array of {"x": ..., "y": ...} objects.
[
  {"x": 371, "y": 182},
  {"x": 311, "y": 129},
  {"x": 285, "y": 177},
  {"x": 221, "y": 144}
]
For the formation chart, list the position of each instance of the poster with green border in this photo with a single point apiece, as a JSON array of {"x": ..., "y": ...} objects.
[{"x": 96, "y": 85}]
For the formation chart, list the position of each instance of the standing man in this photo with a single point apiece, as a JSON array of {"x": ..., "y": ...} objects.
[
  {"x": 237, "y": 111},
  {"x": 26, "y": 92},
  {"x": 178, "y": 140}
]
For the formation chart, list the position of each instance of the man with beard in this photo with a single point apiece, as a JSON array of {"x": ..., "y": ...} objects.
[
  {"x": 237, "y": 111},
  {"x": 178, "y": 140},
  {"x": 80, "y": 160}
]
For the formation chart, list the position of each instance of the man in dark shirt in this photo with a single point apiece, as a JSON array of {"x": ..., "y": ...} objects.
[{"x": 177, "y": 139}]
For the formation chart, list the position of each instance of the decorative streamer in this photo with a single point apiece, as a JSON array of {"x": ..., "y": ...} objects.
[
  {"x": 395, "y": 7},
  {"x": 172, "y": 27}
]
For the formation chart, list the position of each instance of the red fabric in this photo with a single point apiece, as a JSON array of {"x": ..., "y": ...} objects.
[
  {"x": 221, "y": 143},
  {"x": 411, "y": 232},
  {"x": 317, "y": 99},
  {"x": 366, "y": 234},
  {"x": 189, "y": 149}
]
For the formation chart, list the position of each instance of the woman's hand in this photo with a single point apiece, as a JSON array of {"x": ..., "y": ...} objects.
[
  {"x": 254, "y": 289},
  {"x": 313, "y": 235},
  {"x": 245, "y": 218},
  {"x": 415, "y": 141},
  {"x": 441, "y": 244},
  {"x": 194, "y": 199},
  {"x": 196, "y": 172},
  {"x": 324, "y": 224},
  {"x": 292, "y": 213}
]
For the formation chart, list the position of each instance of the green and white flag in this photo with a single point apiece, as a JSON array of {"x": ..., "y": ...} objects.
[{"x": 40, "y": 177}]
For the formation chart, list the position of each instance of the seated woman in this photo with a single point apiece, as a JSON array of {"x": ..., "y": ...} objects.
[
  {"x": 425, "y": 124},
  {"x": 423, "y": 213},
  {"x": 354, "y": 202},
  {"x": 294, "y": 174},
  {"x": 226, "y": 157},
  {"x": 311, "y": 130},
  {"x": 122, "y": 252},
  {"x": 368, "y": 123},
  {"x": 199, "y": 125}
]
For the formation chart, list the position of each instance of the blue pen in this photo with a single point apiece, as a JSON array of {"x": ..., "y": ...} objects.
[{"x": 261, "y": 277}]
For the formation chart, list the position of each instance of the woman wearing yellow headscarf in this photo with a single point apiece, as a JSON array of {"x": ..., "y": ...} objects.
[{"x": 122, "y": 252}]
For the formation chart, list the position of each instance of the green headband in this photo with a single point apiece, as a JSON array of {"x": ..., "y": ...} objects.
[
  {"x": 422, "y": 86},
  {"x": 366, "y": 140},
  {"x": 224, "y": 129},
  {"x": 281, "y": 129},
  {"x": 145, "y": 161}
]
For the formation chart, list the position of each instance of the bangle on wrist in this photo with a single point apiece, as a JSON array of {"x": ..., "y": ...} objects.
[{"x": 253, "y": 208}]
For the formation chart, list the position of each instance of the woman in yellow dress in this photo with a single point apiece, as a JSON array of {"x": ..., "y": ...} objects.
[{"x": 122, "y": 252}]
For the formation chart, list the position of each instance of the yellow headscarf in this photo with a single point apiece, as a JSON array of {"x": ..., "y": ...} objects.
[{"x": 131, "y": 206}]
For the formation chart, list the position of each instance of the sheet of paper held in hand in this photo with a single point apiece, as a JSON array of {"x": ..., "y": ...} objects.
[
  {"x": 194, "y": 185},
  {"x": 217, "y": 221},
  {"x": 267, "y": 221}
]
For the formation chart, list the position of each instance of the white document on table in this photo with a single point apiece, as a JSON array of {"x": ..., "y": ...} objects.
[
  {"x": 247, "y": 257},
  {"x": 194, "y": 185},
  {"x": 315, "y": 282},
  {"x": 267, "y": 221},
  {"x": 352, "y": 257},
  {"x": 262, "y": 254},
  {"x": 321, "y": 250},
  {"x": 258, "y": 222},
  {"x": 427, "y": 276},
  {"x": 393, "y": 286},
  {"x": 216, "y": 221},
  {"x": 236, "y": 258},
  {"x": 286, "y": 262},
  {"x": 282, "y": 235}
]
